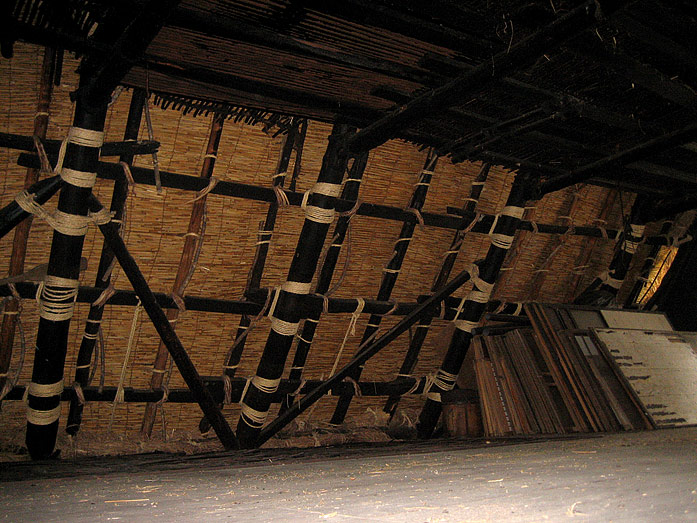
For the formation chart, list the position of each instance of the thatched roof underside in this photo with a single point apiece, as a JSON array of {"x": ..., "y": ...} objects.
[{"x": 262, "y": 63}]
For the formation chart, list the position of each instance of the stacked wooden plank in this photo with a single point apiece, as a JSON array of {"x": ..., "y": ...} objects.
[{"x": 553, "y": 377}]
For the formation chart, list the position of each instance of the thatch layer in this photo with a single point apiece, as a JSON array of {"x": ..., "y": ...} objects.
[{"x": 156, "y": 224}]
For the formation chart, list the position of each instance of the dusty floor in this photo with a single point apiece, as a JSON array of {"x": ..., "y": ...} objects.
[{"x": 649, "y": 476}]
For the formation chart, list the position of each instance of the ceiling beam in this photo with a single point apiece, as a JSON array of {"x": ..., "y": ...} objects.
[
  {"x": 516, "y": 58},
  {"x": 609, "y": 163}
]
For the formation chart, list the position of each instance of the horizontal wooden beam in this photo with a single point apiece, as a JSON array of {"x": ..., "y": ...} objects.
[
  {"x": 26, "y": 143},
  {"x": 215, "y": 386}
]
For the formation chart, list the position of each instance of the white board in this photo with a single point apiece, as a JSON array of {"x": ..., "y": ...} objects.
[
  {"x": 624, "y": 319},
  {"x": 661, "y": 367}
]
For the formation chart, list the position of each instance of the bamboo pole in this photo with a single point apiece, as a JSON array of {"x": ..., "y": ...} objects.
[
  {"x": 111, "y": 171},
  {"x": 56, "y": 299},
  {"x": 165, "y": 330},
  {"x": 391, "y": 271},
  {"x": 128, "y": 147},
  {"x": 475, "y": 303},
  {"x": 106, "y": 262},
  {"x": 352, "y": 185},
  {"x": 417, "y": 340},
  {"x": 311, "y": 304},
  {"x": 319, "y": 213},
  {"x": 19, "y": 242},
  {"x": 193, "y": 240},
  {"x": 216, "y": 387}
]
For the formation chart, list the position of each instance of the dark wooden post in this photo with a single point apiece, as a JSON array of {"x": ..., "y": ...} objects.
[
  {"x": 411, "y": 357},
  {"x": 474, "y": 305},
  {"x": 164, "y": 329},
  {"x": 60, "y": 287},
  {"x": 19, "y": 243},
  {"x": 106, "y": 261},
  {"x": 425, "y": 308},
  {"x": 284, "y": 313},
  {"x": 391, "y": 272},
  {"x": 265, "y": 233},
  {"x": 352, "y": 185},
  {"x": 192, "y": 244},
  {"x": 604, "y": 288}
]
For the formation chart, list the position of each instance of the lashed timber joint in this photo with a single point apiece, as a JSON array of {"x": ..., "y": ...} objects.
[
  {"x": 318, "y": 204},
  {"x": 473, "y": 304},
  {"x": 164, "y": 328}
]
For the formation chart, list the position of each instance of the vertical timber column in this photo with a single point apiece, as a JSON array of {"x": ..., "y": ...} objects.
[
  {"x": 474, "y": 305},
  {"x": 19, "y": 243},
  {"x": 412, "y": 354},
  {"x": 391, "y": 273},
  {"x": 265, "y": 233},
  {"x": 318, "y": 204},
  {"x": 57, "y": 299},
  {"x": 604, "y": 288},
  {"x": 106, "y": 262},
  {"x": 352, "y": 185},
  {"x": 192, "y": 243}
]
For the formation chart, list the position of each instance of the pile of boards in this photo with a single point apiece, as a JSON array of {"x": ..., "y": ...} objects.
[{"x": 578, "y": 369}]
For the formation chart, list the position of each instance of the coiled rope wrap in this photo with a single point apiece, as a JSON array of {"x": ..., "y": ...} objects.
[
  {"x": 500, "y": 240},
  {"x": 480, "y": 293},
  {"x": 282, "y": 327},
  {"x": 64, "y": 223},
  {"x": 251, "y": 416},
  {"x": 442, "y": 381},
  {"x": 320, "y": 214},
  {"x": 84, "y": 138},
  {"x": 38, "y": 390},
  {"x": 56, "y": 298},
  {"x": 608, "y": 280}
]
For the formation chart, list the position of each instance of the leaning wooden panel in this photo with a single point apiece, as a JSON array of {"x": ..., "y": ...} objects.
[{"x": 661, "y": 367}]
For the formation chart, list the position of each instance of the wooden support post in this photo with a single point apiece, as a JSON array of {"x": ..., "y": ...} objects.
[
  {"x": 424, "y": 309},
  {"x": 19, "y": 243},
  {"x": 352, "y": 185},
  {"x": 417, "y": 340},
  {"x": 106, "y": 263},
  {"x": 604, "y": 288},
  {"x": 391, "y": 272},
  {"x": 60, "y": 287},
  {"x": 474, "y": 304},
  {"x": 193, "y": 241},
  {"x": 284, "y": 314},
  {"x": 266, "y": 229},
  {"x": 159, "y": 319}
]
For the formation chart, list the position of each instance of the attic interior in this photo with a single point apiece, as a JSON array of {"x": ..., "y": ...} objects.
[{"x": 287, "y": 223}]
